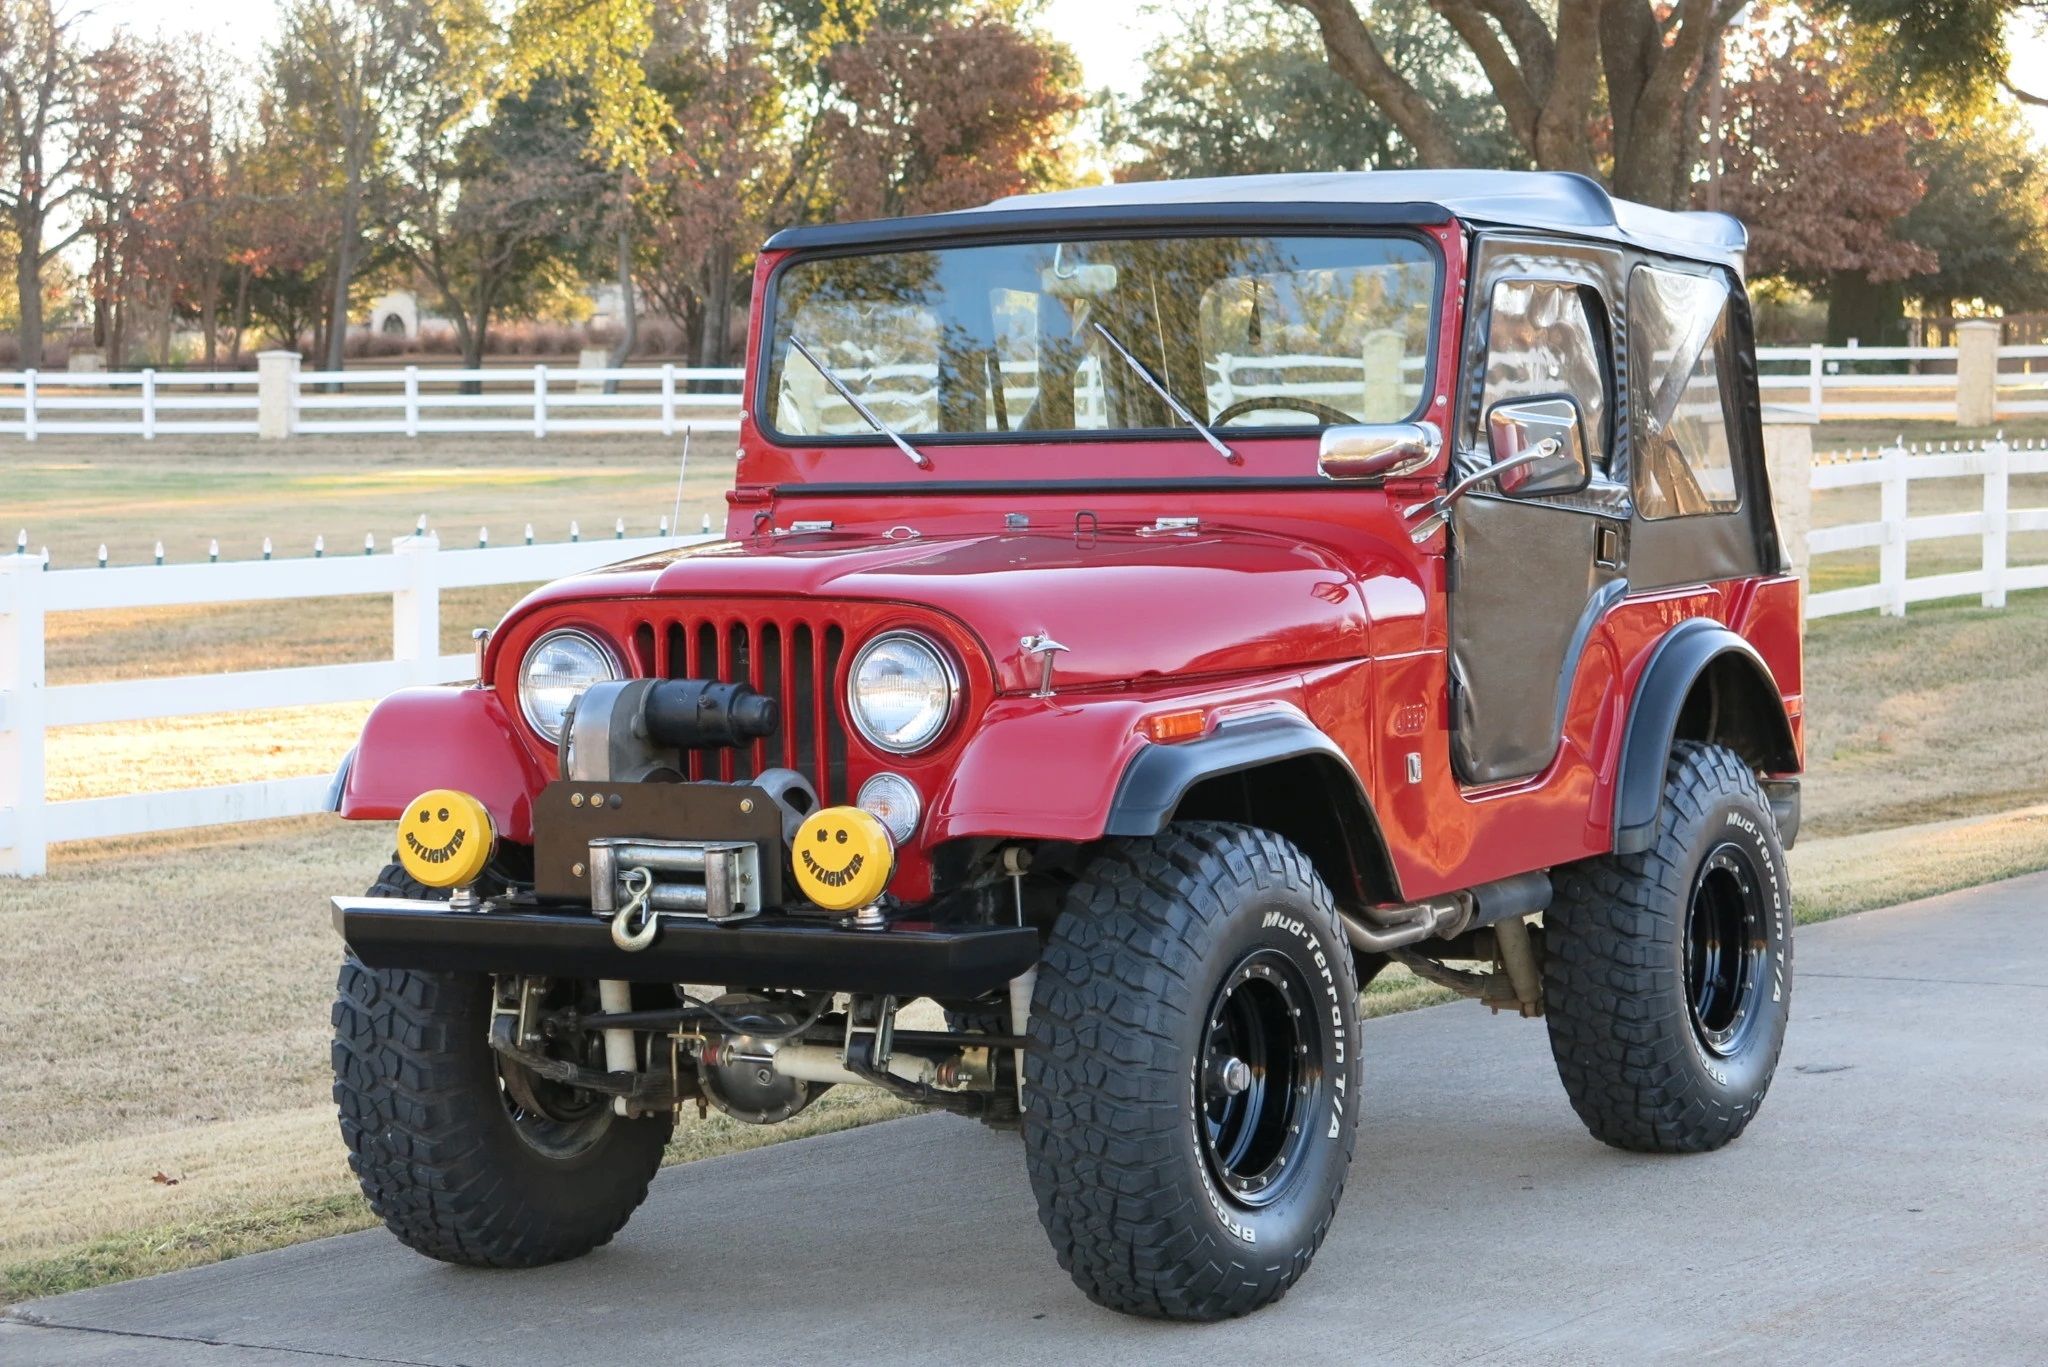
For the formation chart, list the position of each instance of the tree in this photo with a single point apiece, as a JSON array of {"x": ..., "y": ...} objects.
[
  {"x": 1984, "y": 217},
  {"x": 1240, "y": 92},
  {"x": 42, "y": 70},
  {"x": 488, "y": 212},
  {"x": 345, "y": 65},
  {"x": 944, "y": 116},
  {"x": 283, "y": 242},
  {"x": 734, "y": 159},
  {"x": 1548, "y": 66},
  {"x": 1819, "y": 167}
]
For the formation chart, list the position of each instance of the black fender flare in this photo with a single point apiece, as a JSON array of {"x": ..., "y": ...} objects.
[
  {"x": 1160, "y": 775},
  {"x": 1677, "y": 662},
  {"x": 332, "y": 803}
]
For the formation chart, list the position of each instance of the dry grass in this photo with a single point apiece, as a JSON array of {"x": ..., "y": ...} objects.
[
  {"x": 1926, "y": 717},
  {"x": 74, "y": 494}
]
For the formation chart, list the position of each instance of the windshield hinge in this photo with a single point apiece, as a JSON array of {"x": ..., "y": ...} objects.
[{"x": 1167, "y": 526}]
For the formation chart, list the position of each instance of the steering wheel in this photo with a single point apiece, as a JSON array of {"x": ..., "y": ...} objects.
[{"x": 1288, "y": 402}]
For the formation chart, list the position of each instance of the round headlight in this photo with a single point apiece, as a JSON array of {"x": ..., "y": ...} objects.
[
  {"x": 900, "y": 692},
  {"x": 557, "y": 668},
  {"x": 894, "y": 802}
]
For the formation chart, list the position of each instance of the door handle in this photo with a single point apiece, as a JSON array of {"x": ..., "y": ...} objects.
[{"x": 1610, "y": 545}]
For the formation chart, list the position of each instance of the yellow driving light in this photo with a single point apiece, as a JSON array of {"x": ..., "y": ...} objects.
[
  {"x": 843, "y": 857},
  {"x": 444, "y": 838}
]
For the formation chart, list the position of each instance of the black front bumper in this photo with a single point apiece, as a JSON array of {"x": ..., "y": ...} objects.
[{"x": 767, "y": 952}]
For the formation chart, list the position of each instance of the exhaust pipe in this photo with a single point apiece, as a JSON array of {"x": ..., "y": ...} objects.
[{"x": 1377, "y": 929}]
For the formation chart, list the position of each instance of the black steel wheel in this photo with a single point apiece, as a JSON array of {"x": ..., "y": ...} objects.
[
  {"x": 1727, "y": 938},
  {"x": 1260, "y": 1075},
  {"x": 1191, "y": 1089},
  {"x": 1667, "y": 975}
]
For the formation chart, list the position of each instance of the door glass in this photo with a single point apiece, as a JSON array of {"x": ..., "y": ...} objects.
[
  {"x": 1678, "y": 333},
  {"x": 1540, "y": 339}
]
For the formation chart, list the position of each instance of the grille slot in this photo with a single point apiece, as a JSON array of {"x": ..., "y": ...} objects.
[{"x": 794, "y": 662}]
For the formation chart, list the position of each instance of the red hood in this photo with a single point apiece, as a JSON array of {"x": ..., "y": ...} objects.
[{"x": 1127, "y": 605}]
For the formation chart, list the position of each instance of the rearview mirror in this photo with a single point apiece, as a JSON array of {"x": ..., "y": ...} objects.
[
  {"x": 1546, "y": 441},
  {"x": 1378, "y": 450}
]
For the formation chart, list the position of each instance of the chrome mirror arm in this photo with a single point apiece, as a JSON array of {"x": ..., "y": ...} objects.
[{"x": 1435, "y": 513}]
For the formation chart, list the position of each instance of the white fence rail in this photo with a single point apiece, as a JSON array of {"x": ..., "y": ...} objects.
[
  {"x": 1974, "y": 384},
  {"x": 279, "y": 399},
  {"x": 1894, "y": 470},
  {"x": 414, "y": 577}
]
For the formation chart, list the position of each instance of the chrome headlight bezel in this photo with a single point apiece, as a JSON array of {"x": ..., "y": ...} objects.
[
  {"x": 948, "y": 671},
  {"x": 602, "y": 648}
]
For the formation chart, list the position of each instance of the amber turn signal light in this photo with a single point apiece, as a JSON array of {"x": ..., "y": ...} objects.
[{"x": 1167, "y": 727}]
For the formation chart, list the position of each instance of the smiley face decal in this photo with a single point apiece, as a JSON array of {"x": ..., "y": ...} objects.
[
  {"x": 444, "y": 838},
  {"x": 842, "y": 857}
]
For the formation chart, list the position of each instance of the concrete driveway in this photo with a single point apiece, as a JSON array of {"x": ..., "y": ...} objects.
[{"x": 1890, "y": 1204}]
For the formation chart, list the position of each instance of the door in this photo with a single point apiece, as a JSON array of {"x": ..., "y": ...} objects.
[{"x": 1531, "y": 577}]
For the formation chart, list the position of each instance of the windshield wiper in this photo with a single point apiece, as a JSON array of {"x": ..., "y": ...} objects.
[
  {"x": 1180, "y": 409},
  {"x": 922, "y": 461}
]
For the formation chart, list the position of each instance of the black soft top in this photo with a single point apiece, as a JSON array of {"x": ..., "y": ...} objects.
[{"x": 1546, "y": 201}]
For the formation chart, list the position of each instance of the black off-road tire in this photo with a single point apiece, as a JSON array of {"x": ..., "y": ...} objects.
[
  {"x": 1130, "y": 1187},
  {"x": 431, "y": 1137},
  {"x": 1633, "y": 1033}
]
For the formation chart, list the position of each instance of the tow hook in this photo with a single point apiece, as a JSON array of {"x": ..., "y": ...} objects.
[{"x": 639, "y": 882}]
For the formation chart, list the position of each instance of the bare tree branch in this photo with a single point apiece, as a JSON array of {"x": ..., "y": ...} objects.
[{"x": 1349, "y": 47}]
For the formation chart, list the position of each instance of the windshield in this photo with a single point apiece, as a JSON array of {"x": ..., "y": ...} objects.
[{"x": 1246, "y": 332}]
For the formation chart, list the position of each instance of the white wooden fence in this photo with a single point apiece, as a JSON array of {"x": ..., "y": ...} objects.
[
  {"x": 414, "y": 576},
  {"x": 281, "y": 400},
  {"x": 1894, "y": 470},
  {"x": 1973, "y": 385}
]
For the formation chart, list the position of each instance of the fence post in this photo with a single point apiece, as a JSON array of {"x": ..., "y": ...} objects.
[
  {"x": 1816, "y": 376},
  {"x": 28, "y": 406},
  {"x": 412, "y": 401},
  {"x": 668, "y": 400},
  {"x": 540, "y": 401},
  {"x": 1997, "y": 468},
  {"x": 416, "y": 607},
  {"x": 1891, "y": 556},
  {"x": 277, "y": 394},
  {"x": 1977, "y": 372},
  {"x": 23, "y": 853},
  {"x": 149, "y": 405}
]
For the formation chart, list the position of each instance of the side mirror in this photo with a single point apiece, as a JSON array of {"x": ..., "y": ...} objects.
[
  {"x": 1538, "y": 447},
  {"x": 1378, "y": 450}
]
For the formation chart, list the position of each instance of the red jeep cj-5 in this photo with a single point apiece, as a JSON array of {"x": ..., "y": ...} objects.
[{"x": 1146, "y": 613}]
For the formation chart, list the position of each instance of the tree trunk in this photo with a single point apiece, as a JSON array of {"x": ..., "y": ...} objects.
[
  {"x": 28, "y": 282},
  {"x": 209, "y": 313},
  {"x": 629, "y": 310},
  {"x": 344, "y": 276},
  {"x": 1870, "y": 314},
  {"x": 241, "y": 315},
  {"x": 714, "y": 320}
]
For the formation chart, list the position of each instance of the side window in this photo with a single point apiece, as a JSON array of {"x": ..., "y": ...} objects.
[
  {"x": 1678, "y": 339},
  {"x": 1542, "y": 338}
]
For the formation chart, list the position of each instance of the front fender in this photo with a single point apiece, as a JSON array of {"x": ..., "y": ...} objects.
[
  {"x": 1040, "y": 768},
  {"x": 421, "y": 738}
]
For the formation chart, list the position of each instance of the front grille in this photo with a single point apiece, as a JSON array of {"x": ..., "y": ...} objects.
[{"x": 794, "y": 661}]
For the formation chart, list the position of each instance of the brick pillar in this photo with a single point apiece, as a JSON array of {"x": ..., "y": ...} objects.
[
  {"x": 277, "y": 394},
  {"x": 1977, "y": 372},
  {"x": 1788, "y": 457}
]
